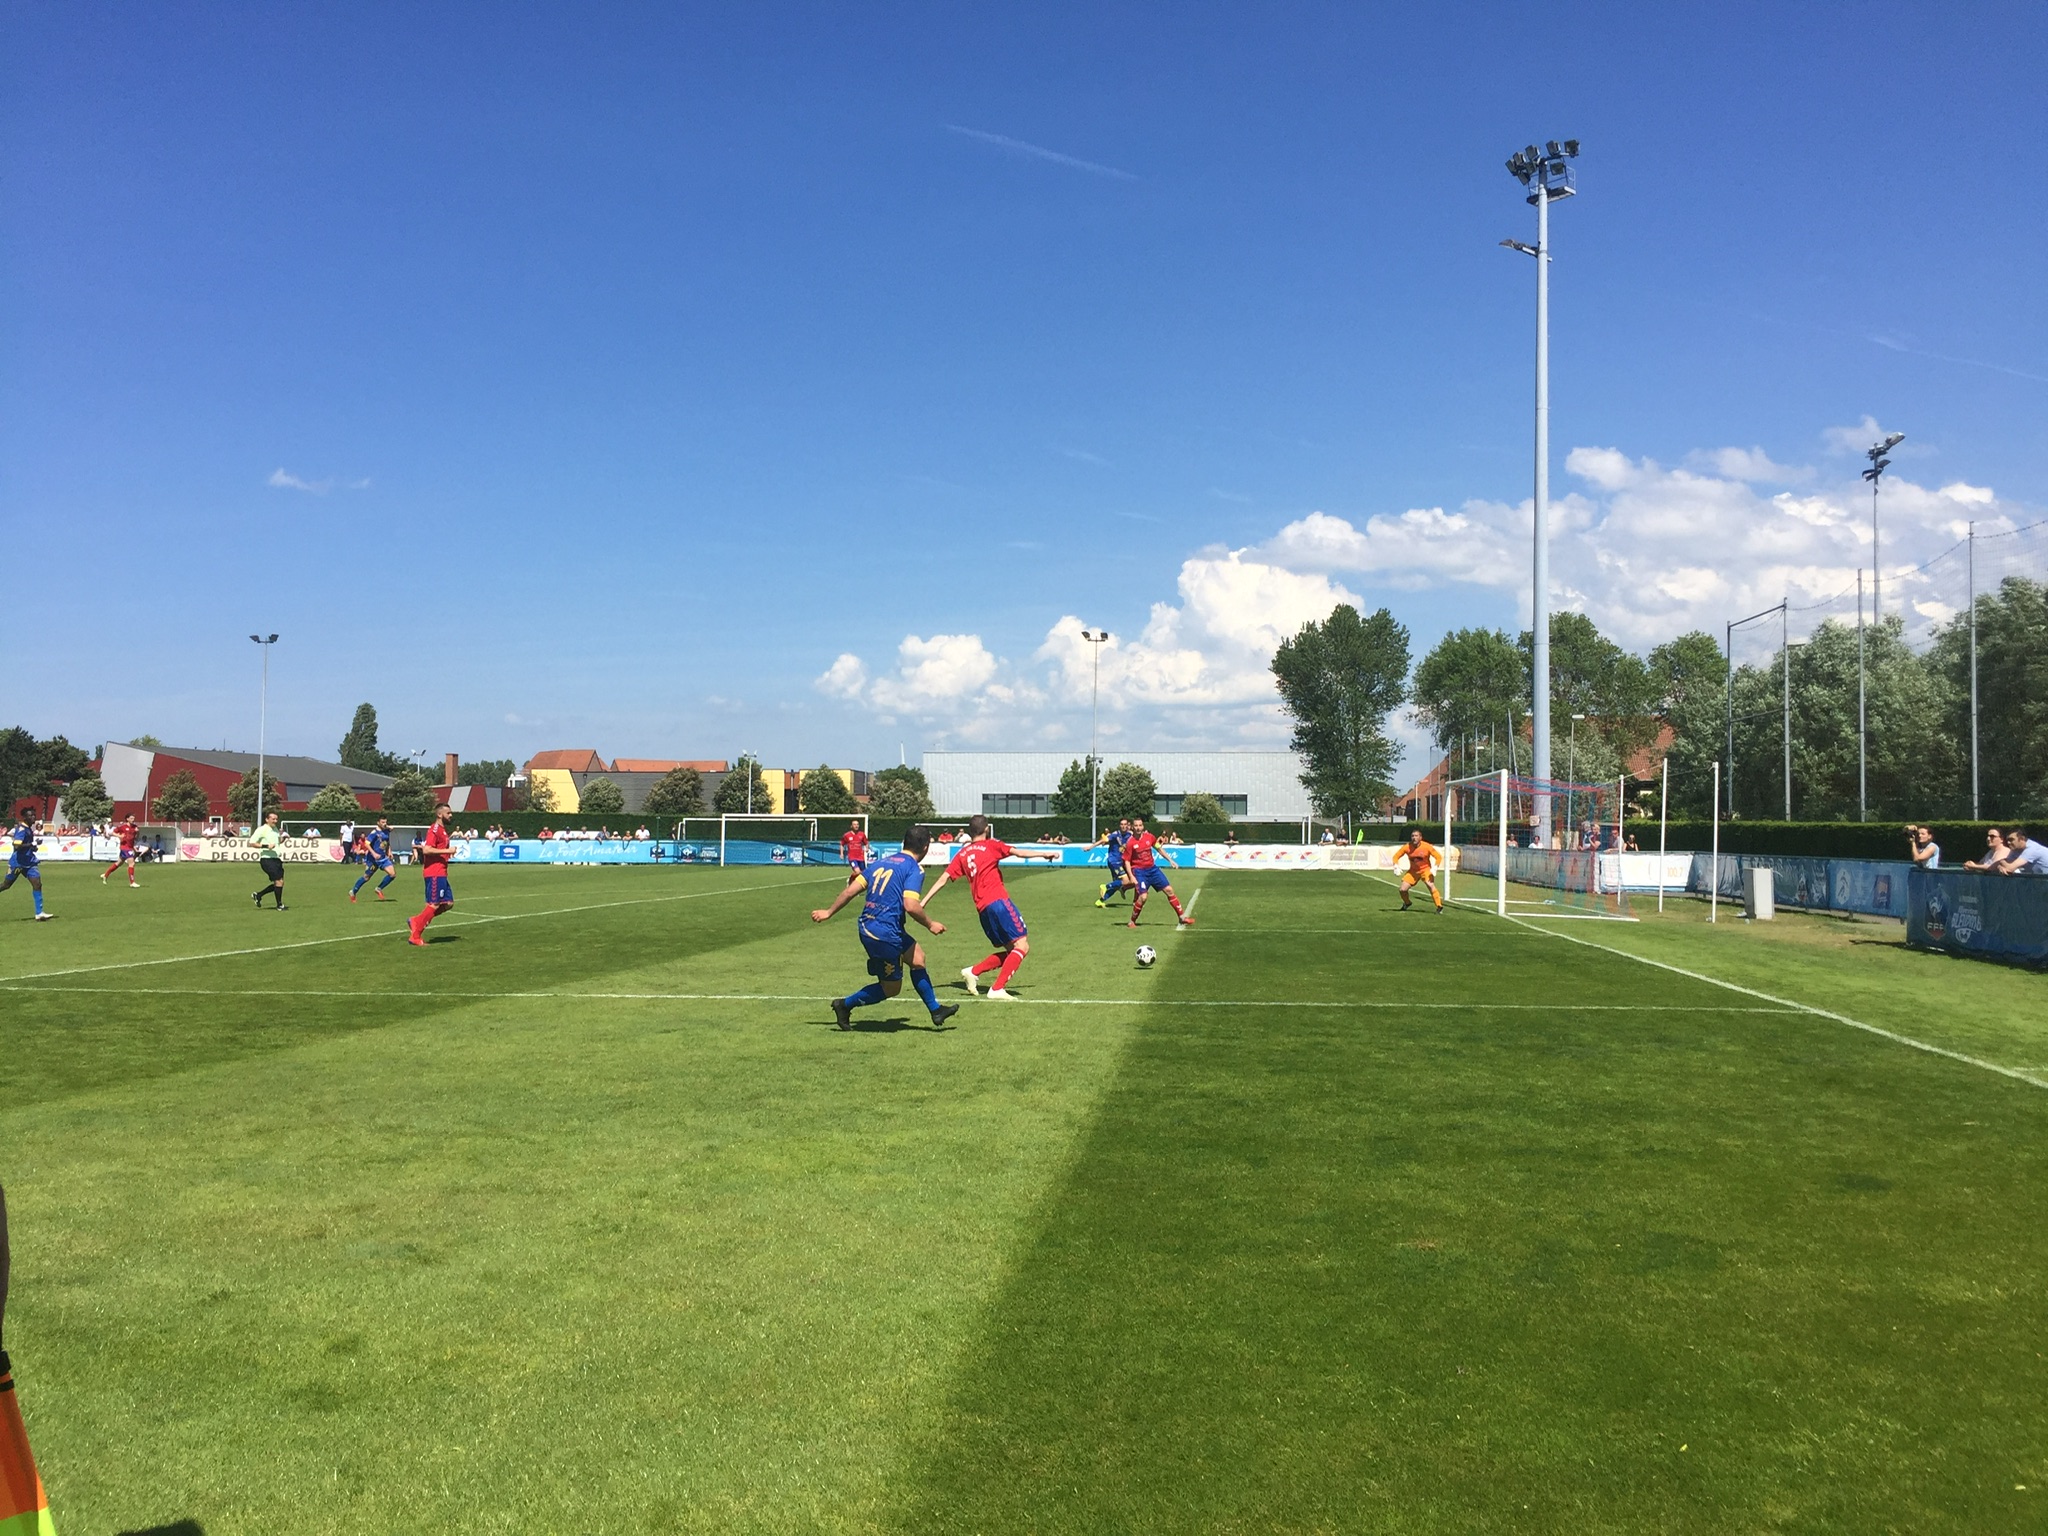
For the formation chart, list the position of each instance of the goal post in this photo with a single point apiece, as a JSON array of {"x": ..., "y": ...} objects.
[{"x": 1579, "y": 876}]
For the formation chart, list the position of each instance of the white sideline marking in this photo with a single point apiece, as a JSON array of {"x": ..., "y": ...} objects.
[
  {"x": 386, "y": 933},
  {"x": 1188, "y": 911},
  {"x": 2016, "y": 1073},
  {"x": 808, "y": 997}
]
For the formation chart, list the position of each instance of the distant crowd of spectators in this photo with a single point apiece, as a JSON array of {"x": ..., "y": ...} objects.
[{"x": 2006, "y": 852}]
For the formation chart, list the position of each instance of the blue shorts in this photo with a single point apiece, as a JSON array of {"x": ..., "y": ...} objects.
[
  {"x": 888, "y": 953},
  {"x": 1003, "y": 924},
  {"x": 1150, "y": 878},
  {"x": 439, "y": 893},
  {"x": 31, "y": 867},
  {"x": 1116, "y": 869}
]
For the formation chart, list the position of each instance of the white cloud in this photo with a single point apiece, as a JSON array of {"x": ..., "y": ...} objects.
[
  {"x": 1750, "y": 464},
  {"x": 845, "y": 678},
  {"x": 1854, "y": 439},
  {"x": 283, "y": 481}
]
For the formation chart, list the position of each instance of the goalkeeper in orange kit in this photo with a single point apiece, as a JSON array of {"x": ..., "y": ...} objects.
[{"x": 1417, "y": 861}]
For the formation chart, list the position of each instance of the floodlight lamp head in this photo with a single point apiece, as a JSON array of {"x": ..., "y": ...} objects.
[
  {"x": 1571, "y": 148},
  {"x": 1552, "y": 149}
]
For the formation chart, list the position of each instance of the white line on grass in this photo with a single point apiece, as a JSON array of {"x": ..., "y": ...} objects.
[
  {"x": 386, "y": 933},
  {"x": 1189, "y": 910},
  {"x": 806, "y": 997},
  {"x": 2015, "y": 1073}
]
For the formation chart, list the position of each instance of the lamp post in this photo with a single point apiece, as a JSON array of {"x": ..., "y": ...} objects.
[
  {"x": 1096, "y": 639},
  {"x": 1571, "y": 766},
  {"x": 1547, "y": 173},
  {"x": 262, "y": 727},
  {"x": 1879, "y": 455}
]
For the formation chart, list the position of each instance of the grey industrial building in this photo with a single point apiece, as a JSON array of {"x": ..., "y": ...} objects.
[{"x": 1253, "y": 786}]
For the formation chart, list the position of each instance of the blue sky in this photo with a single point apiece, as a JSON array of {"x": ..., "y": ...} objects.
[{"x": 683, "y": 381}]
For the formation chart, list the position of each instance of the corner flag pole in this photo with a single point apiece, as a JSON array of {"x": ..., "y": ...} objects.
[
  {"x": 1501, "y": 901},
  {"x": 1663, "y": 829},
  {"x": 1714, "y": 869}
]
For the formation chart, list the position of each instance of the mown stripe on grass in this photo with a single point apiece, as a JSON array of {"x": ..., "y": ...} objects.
[{"x": 387, "y": 933}]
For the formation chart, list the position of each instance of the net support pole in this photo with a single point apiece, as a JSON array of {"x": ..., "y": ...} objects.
[
  {"x": 1663, "y": 829},
  {"x": 1714, "y": 865},
  {"x": 1976, "y": 812},
  {"x": 1450, "y": 800},
  {"x": 1620, "y": 837},
  {"x": 1501, "y": 901}
]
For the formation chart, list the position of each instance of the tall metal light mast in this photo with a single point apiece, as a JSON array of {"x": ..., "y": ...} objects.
[{"x": 1547, "y": 173}]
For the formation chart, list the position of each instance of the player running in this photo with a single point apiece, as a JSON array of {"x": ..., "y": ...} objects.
[
  {"x": 1145, "y": 876},
  {"x": 434, "y": 865},
  {"x": 980, "y": 863},
  {"x": 1119, "y": 876},
  {"x": 126, "y": 830},
  {"x": 23, "y": 862},
  {"x": 1418, "y": 861},
  {"x": 853, "y": 846},
  {"x": 376, "y": 853},
  {"x": 267, "y": 841},
  {"x": 892, "y": 887}
]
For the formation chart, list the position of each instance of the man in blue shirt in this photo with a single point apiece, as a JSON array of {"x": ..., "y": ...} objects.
[
  {"x": 22, "y": 860},
  {"x": 1119, "y": 877},
  {"x": 378, "y": 857},
  {"x": 892, "y": 886},
  {"x": 2023, "y": 855}
]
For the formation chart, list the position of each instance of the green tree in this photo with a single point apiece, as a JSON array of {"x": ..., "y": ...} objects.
[
  {"x": 1689, "y": 685},
  {"x": 359, "y": 747},
  {"x": 1590, "y": 675},
  {"x": 2012, "y": 694},
  {"x": 488, "y": 771},
  {"x": 86, "y": 800},
  {"x": 147, "y": 741},
  {"x": 242, "y": 796},
  {"x": 17, "y": 766},
  {"x": 1127, "y": 790},
  {"x": 1470, "y": 684},
  {"x": 1071, "y": 797},
  {"x": 334, "y": 800},
  {"x": 409, "y": 797},
  {"x": 824, "y": 792},
  {"x": 901, "y": 791},
  {"x": 601, "y": 797},
  {"x": 181, "y": 799},
  {"x": 743, "y": 792},
  {"x": 1339, "y": 680},
  {"x": 679, "y": 792},
  {"x": 1202, "y": 809},
  {"x": 539, "y": 795}
]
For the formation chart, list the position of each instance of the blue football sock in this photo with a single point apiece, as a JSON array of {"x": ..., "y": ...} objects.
[
  {"x": 921, "y": 979},
  {"x": 37, "y": 892},
  {"x": 867, "y": 996},
  {"x": 384, "y": 882},
  {"x": 359, "y": 885}
]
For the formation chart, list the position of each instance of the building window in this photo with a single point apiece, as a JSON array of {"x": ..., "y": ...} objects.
[
  {"x": 1016, "y": 805},
  {"x": 1235, "y": 806}
]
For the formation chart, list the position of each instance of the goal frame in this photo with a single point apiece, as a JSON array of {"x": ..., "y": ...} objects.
[{"x": 1501, "y": 782}]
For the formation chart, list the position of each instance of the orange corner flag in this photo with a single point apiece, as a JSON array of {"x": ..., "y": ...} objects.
[{"x": 23, "y": 1509}]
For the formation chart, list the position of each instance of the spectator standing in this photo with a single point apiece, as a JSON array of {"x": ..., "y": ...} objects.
[
  {"x": 1925, "y": 850},
  {"x": 1994, "y": 853}
]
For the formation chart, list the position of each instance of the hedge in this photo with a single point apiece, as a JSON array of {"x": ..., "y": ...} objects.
[{"x": 883, "y": 829}]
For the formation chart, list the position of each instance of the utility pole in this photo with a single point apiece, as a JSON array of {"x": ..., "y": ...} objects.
[
  {"x": 1862, "y": 725},
  {"x": 1096, "y": 638},
  {"x": 1548, "y": 174},
  {"x": 262, "y": 730},
  {"x": 1976, "y": 814}
]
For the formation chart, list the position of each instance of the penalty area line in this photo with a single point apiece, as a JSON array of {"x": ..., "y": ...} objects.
[
  {"x": 389, "y": 933},
  {"x": 2016, "y": 1073}
]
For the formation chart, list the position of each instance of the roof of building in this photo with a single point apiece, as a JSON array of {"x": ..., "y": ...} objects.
[
  {"x": 663, "y": 765},
  {"x": 575, "y": 759},
  {"x": 283, "y": 767}
]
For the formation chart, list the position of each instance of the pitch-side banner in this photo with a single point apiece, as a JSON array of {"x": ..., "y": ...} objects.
[
  {"x": 1998, "y": 917},
  {"x": 238, "y": 850}
]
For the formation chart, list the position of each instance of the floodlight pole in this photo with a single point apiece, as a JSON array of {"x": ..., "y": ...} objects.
[
  {"x": 1663, "y": 829},
  {"x": 1862, "y": 725},
  {"x": 262, "y": 730},
  {"x": 1976, "y": 813},
  {"x": 1547, "y": 173},
  {"x": 1785, "y": 645},
  {"x": 1095, "y": 639}
]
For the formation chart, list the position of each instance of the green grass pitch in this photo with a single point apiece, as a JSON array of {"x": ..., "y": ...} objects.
[{"x": 586, "y": 1219}]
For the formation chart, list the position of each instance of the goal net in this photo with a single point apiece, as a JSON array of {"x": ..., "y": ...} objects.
[{"x": 1494, "y": 821}]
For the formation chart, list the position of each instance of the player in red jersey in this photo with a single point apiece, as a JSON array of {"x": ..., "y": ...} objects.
[
  {"x": 980, "y": 864},
  {"x": 853, "y": 846},
  {"x": 126, "y": 831},
  {"x": 434, "y": 865},
  {"x": 1144, "y": 867}
]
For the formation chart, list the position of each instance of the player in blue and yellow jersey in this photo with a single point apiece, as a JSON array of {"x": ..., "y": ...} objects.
[
  {"x": 1119, "y": 874},
  {"x": 376, "y": 856},
  {"x": 23, "y": 863},
  {"x": 892, "y": 885}
]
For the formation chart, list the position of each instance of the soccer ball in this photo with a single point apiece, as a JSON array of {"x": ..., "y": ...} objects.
[{"x": 1147, "y": 954}]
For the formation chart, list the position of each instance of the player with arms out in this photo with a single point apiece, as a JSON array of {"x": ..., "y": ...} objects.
[
  {"x": 434, "y": 865},
  {"x": 892, "y": 887},
  {"x": 1119, "y": 876},
  {"x": 1145, "y": 876},
  {"x": 23, "y": 862},
  {"x": 980, "y": 864},
  {"x": 853, "y": 846},
  {"x": 1418, "y": 863},
  {"x": 376, "y": 855},
  {"x": 126, "y": 831}
]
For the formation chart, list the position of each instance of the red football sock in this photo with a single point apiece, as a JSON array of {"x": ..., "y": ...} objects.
[
  {"x": 1137, "y": 905},
  {"x": 1175, "y": 900},
  {"x": 990, "y": 964},
  {"x": 1010, "y": 963}
]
